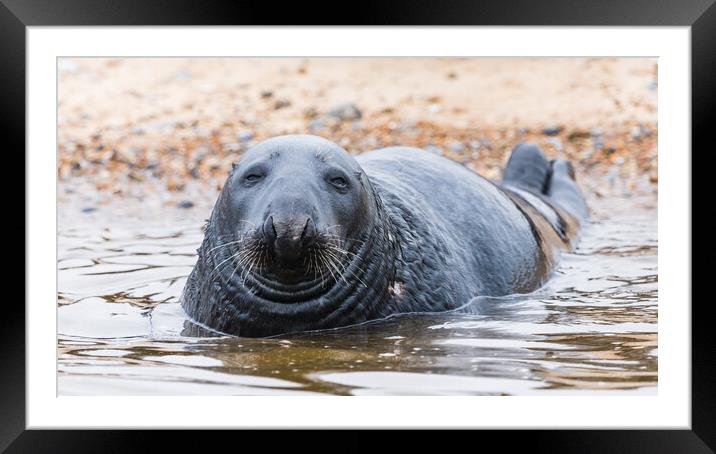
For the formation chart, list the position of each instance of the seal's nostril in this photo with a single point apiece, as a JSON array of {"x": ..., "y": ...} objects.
[
  {"x": 269, "y": 230},
  {"x": 309, "y": 231}
]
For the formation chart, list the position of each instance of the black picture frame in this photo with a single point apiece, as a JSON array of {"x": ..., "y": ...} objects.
[{"x": 16, "y": 15}]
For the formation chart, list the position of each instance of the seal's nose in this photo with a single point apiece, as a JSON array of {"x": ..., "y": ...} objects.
[{"x": 289, "y": 237}]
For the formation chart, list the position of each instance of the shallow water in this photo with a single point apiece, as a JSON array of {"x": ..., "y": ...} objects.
[{"x": 592, "y": 329}]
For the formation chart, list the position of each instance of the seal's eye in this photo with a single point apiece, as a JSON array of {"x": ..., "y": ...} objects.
[
  {"x": 252, "y": 178},
  {"x": 339, "y": 182}
]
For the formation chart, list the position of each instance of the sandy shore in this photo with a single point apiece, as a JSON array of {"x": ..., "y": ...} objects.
[{"x": 134, "y": 127}]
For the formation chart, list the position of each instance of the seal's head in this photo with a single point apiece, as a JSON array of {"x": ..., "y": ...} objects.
[
  {"x": 293, "y": 205},
  {"x": 291, "y": 243}
]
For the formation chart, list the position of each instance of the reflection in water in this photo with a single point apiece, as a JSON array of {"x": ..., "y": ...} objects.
[{"x": 592, "y": 328}]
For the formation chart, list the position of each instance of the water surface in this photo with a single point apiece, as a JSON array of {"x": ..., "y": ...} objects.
[{"x": 592, "y": 329}]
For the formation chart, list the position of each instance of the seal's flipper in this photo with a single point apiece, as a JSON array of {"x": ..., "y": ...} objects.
[
  {"x": 563, "y": 189},
  {"x": 528, "y": 168}
]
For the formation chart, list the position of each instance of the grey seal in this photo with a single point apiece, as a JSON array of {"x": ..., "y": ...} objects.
[{"x": 304, "y": 236}]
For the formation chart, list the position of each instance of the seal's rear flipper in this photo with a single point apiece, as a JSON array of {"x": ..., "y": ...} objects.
[
  {"x": 563, "y": 189},
  {"x": 528, "y": 168}
]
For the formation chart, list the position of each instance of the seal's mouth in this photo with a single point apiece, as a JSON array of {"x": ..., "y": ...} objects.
[{"x": 254, "y": 263}]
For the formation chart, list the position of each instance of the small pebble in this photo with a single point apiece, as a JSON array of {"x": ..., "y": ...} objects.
[
  {"x": 281, "y": 103},
  {"x": 231, "y": 147},
  {"x": 556, "y": 143},
  {"x": 552, "y": 130},
  {"x": 639, "y": 131},
  {"x": 456, "y": 146},
  {"x": 408, "y": 125},
  {"x": 635, "y": 132},
  {"x": 310, "y": 113},
  {"x": 185, "y": 204},
  {"x": 597, "y": 143},
  {"x": 434, "y": 149},
  {"x": 244, "y": 136},
  {"x": 89, "y": 209},
  {"x": 345, "y": 111},
  {"x": 316, "y": 124},
  {"x": 266, "y": 94}
]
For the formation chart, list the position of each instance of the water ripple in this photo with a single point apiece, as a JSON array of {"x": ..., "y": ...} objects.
[{"x": 593, "y": 328}]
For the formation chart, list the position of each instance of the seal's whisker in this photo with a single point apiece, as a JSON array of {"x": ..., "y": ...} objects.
[
  {"x": 339, "y": 239},
  {"x": 226, "y": 244},
  {"x": 317, "y": 268},
  {"x": 307, "y": 259},
  {"x": 349, "y": 254},
  {"x": 334, "y": 262},
  {"x": 236, "y": 267},
  {"x": 321, "y": 261},
  {"x": 222, "y": 262},
  {"x": 248, "y": 264},
  {"x": 247, "y": 272},
  {"x": 243, "y": 256},
  {"x": 324, "y": 259},
  {"x": 345, "y": 268},
  {"x": 329, "y": 234},
  {"x": 344, "y": 252},
  {"x": 265, "y": 257}
]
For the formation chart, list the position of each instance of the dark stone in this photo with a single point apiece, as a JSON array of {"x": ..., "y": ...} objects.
[
  {"x": 185, "y": 204},
  {"x": 281, "y": 103},
  {"x": 89, "y": 209},
  {"x": 552, "y": 130}
]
